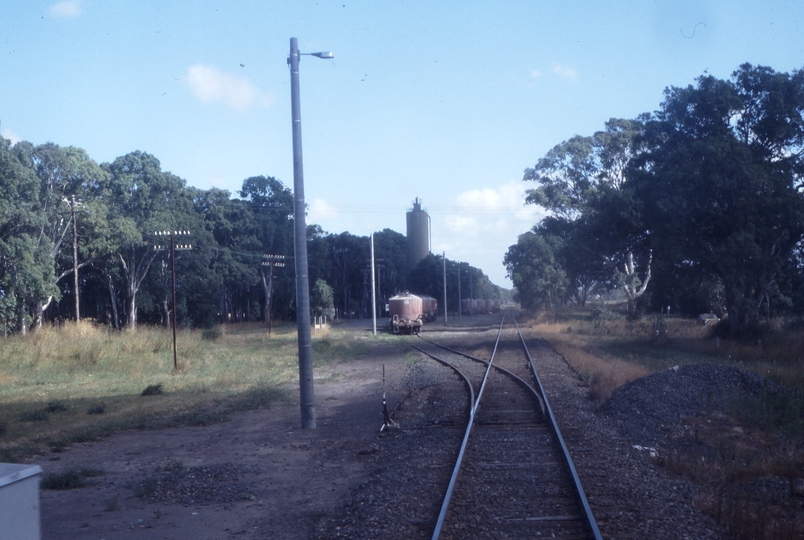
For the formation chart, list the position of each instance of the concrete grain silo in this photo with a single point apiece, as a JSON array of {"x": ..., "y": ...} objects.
[{"x": 418, "y": 234}]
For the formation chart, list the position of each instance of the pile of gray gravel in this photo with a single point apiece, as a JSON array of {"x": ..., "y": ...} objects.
[{"x": 650, "y": 410}]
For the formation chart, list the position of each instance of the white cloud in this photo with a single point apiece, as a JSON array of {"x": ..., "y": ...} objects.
[
  {"x": 211, "y": 85},
  {"x": 320, "y": 210},
  {"x": 10, "y": 135},
  {"x": 506, "y": 202},
  {"x": 67, "y": 9},
  {"x": 481, "y": 225},
  {"x": 535, "y": 74},
  {"x": 461, "y": 223},
  {"x": 566, "y": 71},
  {"x": 218, "y": 180}
]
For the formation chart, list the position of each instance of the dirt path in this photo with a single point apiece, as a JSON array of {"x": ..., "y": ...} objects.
[{"x": 257, "y": 476}]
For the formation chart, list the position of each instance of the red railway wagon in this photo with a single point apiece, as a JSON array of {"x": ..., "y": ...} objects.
[{"x": 406, "y": 313}]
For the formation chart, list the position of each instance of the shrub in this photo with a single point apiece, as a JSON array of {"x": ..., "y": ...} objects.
[
  {"x": 147, "y": 487},
  {"x": 39, "y": 415},
  {"x": 112, "y": 504},
  {"x": 601, "y": 313},
  {"x": 97, "y": 409},
  {"x": 211, "y": 334},
  {"x": 70, "y": 479},
  {"x": 152, "y": 390},
  {"x": 56, "y": 406}
]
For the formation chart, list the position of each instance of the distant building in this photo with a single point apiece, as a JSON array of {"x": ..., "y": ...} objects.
[{"x": 418, "y": 234}]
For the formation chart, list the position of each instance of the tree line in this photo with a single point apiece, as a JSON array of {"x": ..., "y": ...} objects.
[
  {"x": 697, "y": 206},
  {"x": 61, "y": 211}
]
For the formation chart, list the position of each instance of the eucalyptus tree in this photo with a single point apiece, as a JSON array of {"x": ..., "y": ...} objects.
[
  {"x": 534, "y": 268},
  {"x": 721, "y": 182},
  {"x": 350, "y": 255},
  {"x": 321, "y": 298},
  {"x": 320, "y": 261},
  {"x": 390, "y": 253},
  {"x": 427, "y": 277},
  {"x": 582, "y": 182},
  {"x": 68, "y": 177},
  {"x": 26, "y": 264},
  {"x": 142, "y": 199},
  {"x": 234, "y": 253},
  {"x": 271, "y": 205}
]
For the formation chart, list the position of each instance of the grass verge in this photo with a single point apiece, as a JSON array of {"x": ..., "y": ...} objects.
[{"x": 77, "y": 383}]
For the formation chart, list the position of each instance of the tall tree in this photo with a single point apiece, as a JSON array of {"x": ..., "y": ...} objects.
[
  {"x": 321, "y": 298},
  {"x": 565, "y": 178},
  {"x": 390, "y": 252},
  {"x": 26, "y": 263},
  {"x": 272, "y": 206},
  {"x": 721, "y": 181},
  {"x": 142, "y": 199},
  {"x": 582, "y": 183},
  {"x": 66, "y": 174},
  {"x": 533, "y": 267},
  {"x": 351, "y": 255}
]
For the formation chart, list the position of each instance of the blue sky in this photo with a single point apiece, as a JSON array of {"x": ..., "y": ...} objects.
[{"x": 448, "y": 101}]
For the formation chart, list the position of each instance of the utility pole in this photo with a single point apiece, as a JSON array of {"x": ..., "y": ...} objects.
[
  {"x": 75, "y": 260},
  {"x": 445, "y": 287},
  {"x": 460, "y": 300},
  {"x": 272, "y": 261},
  {"x": 173, "y": 248},
  {"x": 379, "y": 266}
]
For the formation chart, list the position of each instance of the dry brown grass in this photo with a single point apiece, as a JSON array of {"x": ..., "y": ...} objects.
[{"x": 603, "y": 373}]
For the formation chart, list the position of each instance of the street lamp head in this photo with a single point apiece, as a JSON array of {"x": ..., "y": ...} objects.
[{"x": 323, "y": 54}]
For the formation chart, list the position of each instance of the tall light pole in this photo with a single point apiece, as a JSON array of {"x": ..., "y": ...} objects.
[
  {"x": 373, "y": 291},
  {"x": 306, "y": 395}
]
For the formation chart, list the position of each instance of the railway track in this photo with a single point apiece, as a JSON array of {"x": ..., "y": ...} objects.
[{"x": 513, "y": 476}]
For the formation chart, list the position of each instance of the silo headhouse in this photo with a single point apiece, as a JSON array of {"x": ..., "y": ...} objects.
[{"x": 418, "y": 234}]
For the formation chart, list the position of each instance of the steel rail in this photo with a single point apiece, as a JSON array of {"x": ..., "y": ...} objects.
[
  {"x": 557, "y": 432},
  {"x": 457, "y": 370},
  {"x": 514, "y": 376},
  {"x": 442, "y": 515}
]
